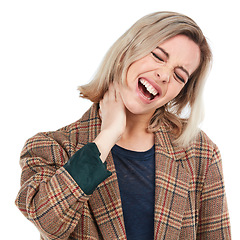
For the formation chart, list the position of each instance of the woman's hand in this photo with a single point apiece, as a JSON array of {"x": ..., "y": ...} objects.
[
  {"x": 112, "y": 112},
  {"x": 113, "y": 115}
]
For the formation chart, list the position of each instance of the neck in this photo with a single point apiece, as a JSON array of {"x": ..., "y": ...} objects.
[
  {"x": 136, "y": 137},
  {"x": 137, "y": 123}
]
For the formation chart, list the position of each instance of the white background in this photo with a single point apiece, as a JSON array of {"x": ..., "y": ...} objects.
[{"x": 48, "y": 48}]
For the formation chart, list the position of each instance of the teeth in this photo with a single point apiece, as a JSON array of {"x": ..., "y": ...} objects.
[{"x": 149, "y": 87}]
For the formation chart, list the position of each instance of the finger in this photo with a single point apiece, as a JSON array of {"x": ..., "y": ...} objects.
[
  {"x": 112, "y": 92},
  {"x": 117, "y": 88},
  {"x": 117, "y": 91},
  {"x": 100, "y": 113},
  {"x": 100, "y": 106}
]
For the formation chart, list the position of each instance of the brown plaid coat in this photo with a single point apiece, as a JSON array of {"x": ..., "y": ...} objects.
[{"x": 190, "y": 201}]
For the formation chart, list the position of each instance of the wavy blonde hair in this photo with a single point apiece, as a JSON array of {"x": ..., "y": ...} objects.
[{"x": 142, "y": 38}]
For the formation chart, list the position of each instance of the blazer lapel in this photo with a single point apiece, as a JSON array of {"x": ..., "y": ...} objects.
[
  {"x": 171, "y": 187},
  {"x": 106, "y": 205},
  {"x": 105, "y": 202}
]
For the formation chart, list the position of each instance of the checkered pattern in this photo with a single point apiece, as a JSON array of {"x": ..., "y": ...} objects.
[{"x": 190, "y": 201}]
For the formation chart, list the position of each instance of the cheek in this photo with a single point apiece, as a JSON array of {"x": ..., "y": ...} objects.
[
  {"x": 137, "y": 68},
  {"x": 173, "y": 91}
]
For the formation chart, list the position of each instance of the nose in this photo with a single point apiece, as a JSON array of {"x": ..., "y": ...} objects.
[{"x": 162, "y": 75}]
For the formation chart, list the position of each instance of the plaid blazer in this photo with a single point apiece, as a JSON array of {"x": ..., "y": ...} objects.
[{"x": 190, "y": 201}]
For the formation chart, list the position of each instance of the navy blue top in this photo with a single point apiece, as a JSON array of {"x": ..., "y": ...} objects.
[{"x": 136, "y": 178}]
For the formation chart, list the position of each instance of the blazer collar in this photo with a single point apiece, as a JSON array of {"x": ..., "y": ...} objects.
[
  {"x": 171, "y": 186},
  {"x": 164, "y": 142}
]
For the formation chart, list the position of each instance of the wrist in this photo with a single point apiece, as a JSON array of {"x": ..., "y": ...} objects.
[{"x": 105, "y": 141}]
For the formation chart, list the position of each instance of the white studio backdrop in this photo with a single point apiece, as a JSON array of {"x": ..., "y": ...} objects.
[{"x": 48, "y": 48}]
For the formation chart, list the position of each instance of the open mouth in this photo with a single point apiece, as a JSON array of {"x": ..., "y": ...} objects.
[{"x": 147, "y": 90}]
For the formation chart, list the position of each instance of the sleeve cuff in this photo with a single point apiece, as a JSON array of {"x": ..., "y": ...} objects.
[{"x": 87, "y": 169}]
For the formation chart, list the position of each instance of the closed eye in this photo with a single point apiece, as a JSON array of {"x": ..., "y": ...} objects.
[
  {"x": 180, "y": 78},
  {"x": 157, "y": 57}
]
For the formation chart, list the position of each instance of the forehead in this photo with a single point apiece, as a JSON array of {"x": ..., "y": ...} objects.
[{"x": 182, "y": 51}]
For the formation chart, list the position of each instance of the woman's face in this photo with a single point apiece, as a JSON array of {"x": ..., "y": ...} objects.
[{"x": 157, "y": 78}]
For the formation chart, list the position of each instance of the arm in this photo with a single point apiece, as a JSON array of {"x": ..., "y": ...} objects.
[
  {"x": 49, "y": 196},
  {"x": 53, "y": 189},
  {"x": 214, "y": 220}
]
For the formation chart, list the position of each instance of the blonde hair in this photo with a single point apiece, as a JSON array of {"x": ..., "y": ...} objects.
[{"x": 143, "y": 37}]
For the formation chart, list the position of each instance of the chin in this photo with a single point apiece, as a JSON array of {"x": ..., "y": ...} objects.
[
  {"x": 138, "y": 109},
  {"x": 135, "y": 105}
]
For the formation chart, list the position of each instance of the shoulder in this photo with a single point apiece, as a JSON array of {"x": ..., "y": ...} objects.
[
  {"x": 85, "y": 124},
  {"x": 202, "y": 145},
  {"x": 67, "y": 138},
  {"x": 201, "y": 154}
]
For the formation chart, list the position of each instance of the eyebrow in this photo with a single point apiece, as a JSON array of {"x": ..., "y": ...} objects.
[
  {"x": 180, "y": 67},
  {"x": 184, "y": 70},
  {"x": 161, "y": 49}
]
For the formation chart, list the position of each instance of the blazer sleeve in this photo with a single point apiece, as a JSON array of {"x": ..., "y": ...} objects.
[
  {"x": 50, "y": 197},
  {"x": 87, "y": 169},
  {"x": 214, "y": 220}
]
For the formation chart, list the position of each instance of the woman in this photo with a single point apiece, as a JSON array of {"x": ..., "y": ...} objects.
[{"x": 133, "y": 167}]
